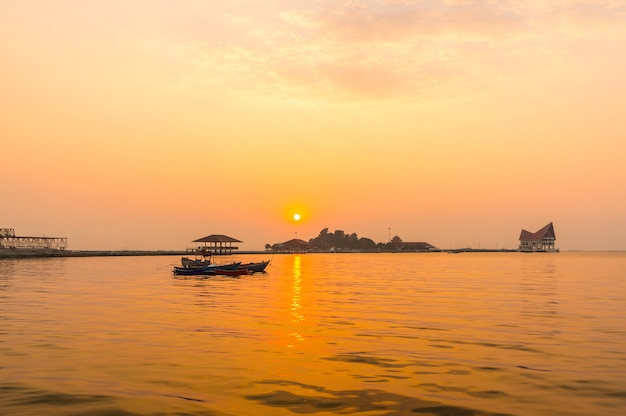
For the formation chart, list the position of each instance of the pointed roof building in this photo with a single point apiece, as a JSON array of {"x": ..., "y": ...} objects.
[{"x": 542, "y": 240}]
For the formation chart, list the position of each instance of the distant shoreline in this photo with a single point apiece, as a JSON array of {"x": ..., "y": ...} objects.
[
  {"x": 21, "y": 253},
  {"x": 45, "y": 253},
  {"x": 39, "y": 253},
  {"x": 33, "y": 252}
]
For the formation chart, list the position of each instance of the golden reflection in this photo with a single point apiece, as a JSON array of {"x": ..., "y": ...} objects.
[{"x": 296, "y": 289}]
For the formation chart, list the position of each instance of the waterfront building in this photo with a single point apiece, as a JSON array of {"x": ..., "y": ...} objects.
[
  {"x": 399, "y": 245},
  {"x": 540, "y": 241},
  {"x": 295, "y": 245}
]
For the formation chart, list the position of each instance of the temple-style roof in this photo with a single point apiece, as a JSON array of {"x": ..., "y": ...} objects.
[
  {"x": 216, "y": 238},
  {"x": 296, "y": 241},
  {"x": 547, "y": 231},
  {"x": 295, "y": 245}
]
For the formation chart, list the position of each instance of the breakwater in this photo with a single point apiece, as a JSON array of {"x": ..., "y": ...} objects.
[
  {"x": 36, "y": 252},
  {"x": 29, "y": 253}
]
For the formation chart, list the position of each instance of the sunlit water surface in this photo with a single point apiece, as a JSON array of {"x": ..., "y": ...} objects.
[{"x": 318, "y": 334}]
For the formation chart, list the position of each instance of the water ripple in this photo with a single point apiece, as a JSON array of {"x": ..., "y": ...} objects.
[{"x": 321, "y": 399}]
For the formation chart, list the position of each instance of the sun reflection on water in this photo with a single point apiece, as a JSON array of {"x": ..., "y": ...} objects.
[{"x": 296, "y": 289}]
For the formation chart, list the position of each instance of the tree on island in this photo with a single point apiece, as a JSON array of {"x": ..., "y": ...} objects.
[{"x": 339, "y": 240}]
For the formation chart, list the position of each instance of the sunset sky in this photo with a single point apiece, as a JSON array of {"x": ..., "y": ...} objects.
[{"x": 147, "y": 124}]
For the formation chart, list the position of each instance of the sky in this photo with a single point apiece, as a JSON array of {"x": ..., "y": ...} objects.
[{"x": 147, "y": 124}]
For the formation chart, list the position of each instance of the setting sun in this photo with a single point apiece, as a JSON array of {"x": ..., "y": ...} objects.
[{"x": 296, "y": 217}]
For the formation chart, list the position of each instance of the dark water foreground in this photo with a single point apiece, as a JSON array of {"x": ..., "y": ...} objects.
[{"x": 318, "y": 334}]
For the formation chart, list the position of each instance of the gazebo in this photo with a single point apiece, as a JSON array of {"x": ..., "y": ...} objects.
[
  {"x": 295, "y": 245},
  {"x": 216, "y": 244}
]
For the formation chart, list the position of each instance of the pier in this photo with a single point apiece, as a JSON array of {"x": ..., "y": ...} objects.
[{"x": 8, "y": 240}]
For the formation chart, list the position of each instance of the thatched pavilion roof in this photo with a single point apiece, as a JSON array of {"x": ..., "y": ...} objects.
[{"x": 217, "y": 238}]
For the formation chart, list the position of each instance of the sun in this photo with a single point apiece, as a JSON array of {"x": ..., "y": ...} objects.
[{"x": 296, "y": 214}]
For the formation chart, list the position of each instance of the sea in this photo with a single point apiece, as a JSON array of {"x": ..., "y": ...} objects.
[{"x": 316, "y": 334}]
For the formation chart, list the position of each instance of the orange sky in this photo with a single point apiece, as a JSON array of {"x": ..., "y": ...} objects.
[{"x": 147, "y": 124}]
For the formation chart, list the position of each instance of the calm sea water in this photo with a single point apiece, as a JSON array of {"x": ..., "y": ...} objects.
[{"x": 318, "y": 334}]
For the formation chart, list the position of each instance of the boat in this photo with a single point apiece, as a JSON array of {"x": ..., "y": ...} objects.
[
  {"x": 229, "y": 272},
  {"x": 255, "y": 267},
  {"x": 207, "y": 270},
  {"x": 213, "y": 271},
  {"x": 188, "y": 263},
  {"x": 194, "y": 271},
  {"x": 216, "y": 245},
  {"x": 233, "y": 269}
]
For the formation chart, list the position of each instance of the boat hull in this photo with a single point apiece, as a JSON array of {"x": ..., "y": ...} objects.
[
  {"x": 255, "y": 267},
  {"x": 208, "y": 270},
  {"x": 236, "y": 272}
]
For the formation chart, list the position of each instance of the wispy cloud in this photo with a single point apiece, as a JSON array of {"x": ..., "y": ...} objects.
[
  {"x": 591, "y": 18},
  {"x": 396, "y": 49},
  {"x": 396, "y": 21}
]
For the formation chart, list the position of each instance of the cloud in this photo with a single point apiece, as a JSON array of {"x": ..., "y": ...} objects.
[
  {"x": 394, "y": 49},
  {"x": 587, "y": 18},
  {"x": 397, "y": 21}
]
